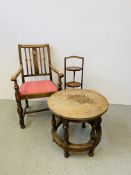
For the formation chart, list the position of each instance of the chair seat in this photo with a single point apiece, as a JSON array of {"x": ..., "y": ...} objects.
[{"x": 37, "y": 87}]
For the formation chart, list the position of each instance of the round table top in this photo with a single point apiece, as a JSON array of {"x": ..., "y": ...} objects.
[{"x": 78, "y": 104}]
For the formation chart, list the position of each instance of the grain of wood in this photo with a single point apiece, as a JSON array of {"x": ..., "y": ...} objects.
[{"x": 78, "y": 104}]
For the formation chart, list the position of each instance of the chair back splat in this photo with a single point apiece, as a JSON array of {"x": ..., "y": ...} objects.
[{"x": 35, "y": 60}]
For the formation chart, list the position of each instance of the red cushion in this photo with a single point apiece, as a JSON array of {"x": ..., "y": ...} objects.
[{"x": 38, "y": 87}]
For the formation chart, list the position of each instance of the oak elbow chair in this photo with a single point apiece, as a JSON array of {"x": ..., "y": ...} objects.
[{"x": 35, "y": 60}]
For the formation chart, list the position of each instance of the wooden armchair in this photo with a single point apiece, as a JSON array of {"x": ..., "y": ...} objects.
[{"x": 35, "y": 60}]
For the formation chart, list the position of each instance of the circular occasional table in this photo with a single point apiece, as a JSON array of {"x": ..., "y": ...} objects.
[{"x": 79, "y": 106}]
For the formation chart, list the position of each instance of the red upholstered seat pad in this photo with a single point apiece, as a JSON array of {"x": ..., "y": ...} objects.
[{"x": 38, "y": 87}]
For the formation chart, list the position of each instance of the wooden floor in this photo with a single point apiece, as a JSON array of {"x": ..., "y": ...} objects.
[{"x": 32, "y": 152}]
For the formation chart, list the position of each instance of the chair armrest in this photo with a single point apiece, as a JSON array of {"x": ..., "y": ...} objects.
[
  {"x": 14, "y": 77},
  {"x": 60, "y": 74}
]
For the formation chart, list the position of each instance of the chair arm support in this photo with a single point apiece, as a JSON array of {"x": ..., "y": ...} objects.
[
  {"x": 60, "y": 74},
  {"x": 14, "y": 77}
]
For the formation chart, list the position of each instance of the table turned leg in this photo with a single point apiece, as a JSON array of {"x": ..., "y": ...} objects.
[
  {"x": 53, "y": 122},
  {"x": 83, "y": 125},
  {"x": 95, "y": 135},
  {"x": 98, "y": 131},
  {"x": 66, "y": 137}
]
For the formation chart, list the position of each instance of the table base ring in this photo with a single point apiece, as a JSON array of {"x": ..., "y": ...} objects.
[{"x": 95, "y": 137}]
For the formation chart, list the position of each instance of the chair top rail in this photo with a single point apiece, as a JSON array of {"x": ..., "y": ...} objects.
[{"x": 33, "y": 46}]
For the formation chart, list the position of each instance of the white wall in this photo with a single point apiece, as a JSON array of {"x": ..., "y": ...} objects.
[{"x": 99, "y": 30}]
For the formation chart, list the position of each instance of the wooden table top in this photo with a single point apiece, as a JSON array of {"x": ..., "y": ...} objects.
[{"x": 78, "y": 104}]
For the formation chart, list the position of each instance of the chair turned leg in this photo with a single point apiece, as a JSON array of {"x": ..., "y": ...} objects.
[
  {"x": 21, "y": 115},
  {"x": 27, "y": 103}
]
